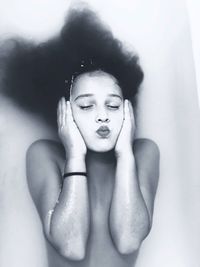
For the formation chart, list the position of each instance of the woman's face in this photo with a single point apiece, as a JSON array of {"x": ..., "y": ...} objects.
[{"x": 97, "y": 106}]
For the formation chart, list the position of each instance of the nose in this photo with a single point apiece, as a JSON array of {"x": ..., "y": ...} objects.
[{"x": 102, "y": 116}]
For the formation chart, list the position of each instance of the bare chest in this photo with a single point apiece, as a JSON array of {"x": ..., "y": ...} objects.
[{"x": 100, "y": 250}]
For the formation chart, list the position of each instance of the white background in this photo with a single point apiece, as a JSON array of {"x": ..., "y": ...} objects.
[
  {"x": 193, "y": 7},
  {"x": 160, "y": 31}
]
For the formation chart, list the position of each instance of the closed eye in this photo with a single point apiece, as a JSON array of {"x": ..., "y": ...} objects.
[
  {"x": 113, "y": 107},
  {"x": 86, "y": 107}
]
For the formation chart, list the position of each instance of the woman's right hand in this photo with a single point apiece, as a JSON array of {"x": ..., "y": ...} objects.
[{"x": 68, "y": 131}]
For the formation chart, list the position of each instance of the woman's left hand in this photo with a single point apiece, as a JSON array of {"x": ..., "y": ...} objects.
[{"x": 126, "y": 136}]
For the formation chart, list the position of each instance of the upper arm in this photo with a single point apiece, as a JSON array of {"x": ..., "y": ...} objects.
[
  {"x": 44, "y": 179},
  {"x": 147, "y": 160}
]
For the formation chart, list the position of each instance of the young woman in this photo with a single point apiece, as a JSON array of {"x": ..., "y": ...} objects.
[{"x": 95, "y": 189}]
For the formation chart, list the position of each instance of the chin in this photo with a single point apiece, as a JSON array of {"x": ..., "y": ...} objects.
[
  {"x": 101, "y": 149},
  {"x": 100, "y": 145}
]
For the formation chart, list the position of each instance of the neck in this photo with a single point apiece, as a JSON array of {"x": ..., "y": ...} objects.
[
  {"x": 100, "y": 166},
  {"x": 100, "y": 159}
]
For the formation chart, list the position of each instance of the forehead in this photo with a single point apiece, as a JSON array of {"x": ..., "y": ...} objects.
[{"x": 97, "y": 83}]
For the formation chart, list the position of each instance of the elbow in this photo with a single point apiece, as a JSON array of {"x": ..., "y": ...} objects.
[
  {"x": 70, "y": 248},
  {"x": 130, "y": 242},
  {"x": 68, "y": 239},
  {"x": 126, "y": 247},
  {"x": 72, "y": 253},
  {"x": 74, "y": 250}
]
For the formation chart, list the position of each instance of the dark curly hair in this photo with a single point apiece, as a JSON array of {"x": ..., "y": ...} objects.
[{"x": 37, "y": 75}]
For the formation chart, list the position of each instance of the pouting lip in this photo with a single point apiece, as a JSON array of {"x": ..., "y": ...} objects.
[
  {"x": 103, "y": 128},
  {"x": 103, "y": 131}
]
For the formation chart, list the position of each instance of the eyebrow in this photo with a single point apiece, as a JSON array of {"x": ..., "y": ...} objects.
[
  {"x": 88, "y": 95},
  {"x": 116, "y": 96},
  {"x": 84, "y": 95}
]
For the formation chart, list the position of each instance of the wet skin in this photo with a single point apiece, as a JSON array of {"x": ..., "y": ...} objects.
[
  {"x": 100, "y": 249},
  {"x": 101, "y": 219}
]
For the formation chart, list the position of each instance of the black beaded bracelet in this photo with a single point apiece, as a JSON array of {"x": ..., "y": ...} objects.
[{"x": 74, "y": 173}]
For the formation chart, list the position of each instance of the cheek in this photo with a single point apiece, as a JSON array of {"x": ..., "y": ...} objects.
[
  {"x": 117, "y": 122},
  {"x": 79, "y": 120},
  {"x": 83, "y": 122}
]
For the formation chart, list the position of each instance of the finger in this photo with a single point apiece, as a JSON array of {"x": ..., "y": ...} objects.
[
  {"x": 131, "y": 111},
  {"x": 126, "y": 109},
  {"x": 65, "y": 113},
  {"x": 132, "y": 117},
  {"x": 59, "y": 114},
  {"x": 69, "y": 112},
  {"x": 63, "y": 110}
]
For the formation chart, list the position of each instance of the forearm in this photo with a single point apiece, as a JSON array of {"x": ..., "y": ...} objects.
[
  {"x": 129, "y": 219},
  {"x": 69, "y": 225}
]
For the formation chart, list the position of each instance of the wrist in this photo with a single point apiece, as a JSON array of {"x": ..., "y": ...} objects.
[
  {"x": 75, "y": 164},
  {"x": 126, "y": 152},
  {"x": 76, "y": 155}
]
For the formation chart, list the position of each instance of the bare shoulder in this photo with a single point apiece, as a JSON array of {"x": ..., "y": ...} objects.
[
  {"x": 147, "y": 147},
  {"x": 45, "y": 150},
  {"x": 147, "y": 157},
  {"x": 44, "y": 160}
]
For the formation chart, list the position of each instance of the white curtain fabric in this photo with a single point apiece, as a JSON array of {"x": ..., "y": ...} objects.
[{"x": 168, "y": 113}]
